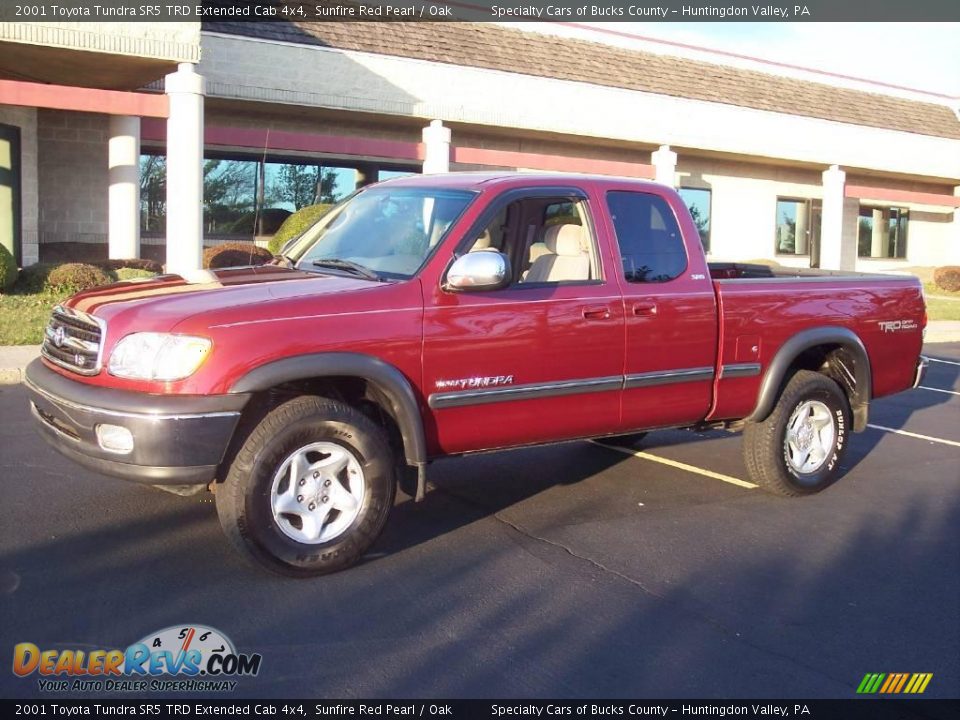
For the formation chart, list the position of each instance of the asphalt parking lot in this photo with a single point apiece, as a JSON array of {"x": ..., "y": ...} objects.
[{"x": 572, "y": 570}]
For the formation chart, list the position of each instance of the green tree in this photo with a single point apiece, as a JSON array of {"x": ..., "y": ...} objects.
[
  {"x": 153, "y": 192},
  {"x": 303, "y": 185}
]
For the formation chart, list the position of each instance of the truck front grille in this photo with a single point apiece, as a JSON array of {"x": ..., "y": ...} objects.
[{"x": 73, "y": 340}]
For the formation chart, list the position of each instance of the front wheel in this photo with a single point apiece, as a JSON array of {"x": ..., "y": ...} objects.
[
  {"x": 797, "y": 450},
  {"x": 310, "y": 489}
]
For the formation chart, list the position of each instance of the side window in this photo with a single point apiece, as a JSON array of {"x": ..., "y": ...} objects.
[
  {"x": 558, "y": 245},
  {"x": 651, "y": 245}
]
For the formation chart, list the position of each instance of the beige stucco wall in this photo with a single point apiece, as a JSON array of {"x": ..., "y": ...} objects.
[{"x": 26, "y": 120}]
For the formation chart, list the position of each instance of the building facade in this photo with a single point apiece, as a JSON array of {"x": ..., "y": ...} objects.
[{"x": 156, "y": 138}]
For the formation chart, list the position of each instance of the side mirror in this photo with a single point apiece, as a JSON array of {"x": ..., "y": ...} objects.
[{"x": 481, "y": 270}]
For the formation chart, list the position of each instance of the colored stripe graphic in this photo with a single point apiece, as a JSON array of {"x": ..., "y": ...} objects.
[{"x": 894, "y": 683}]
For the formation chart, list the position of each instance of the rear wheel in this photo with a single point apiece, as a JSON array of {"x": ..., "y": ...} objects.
[
  {"x": 797, "y": 450},
  {"x": 310, "y": 490}
]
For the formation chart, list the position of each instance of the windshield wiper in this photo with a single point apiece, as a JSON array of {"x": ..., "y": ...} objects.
[{"x": 349, "y": 266}]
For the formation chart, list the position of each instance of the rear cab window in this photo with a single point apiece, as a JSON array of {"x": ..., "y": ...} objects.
[{"x": 648, "y": 235}]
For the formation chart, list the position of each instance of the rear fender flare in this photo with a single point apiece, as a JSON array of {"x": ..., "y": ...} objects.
[
  {"x": 394, "y": 385},
  {"x": 776, "y": 373}
]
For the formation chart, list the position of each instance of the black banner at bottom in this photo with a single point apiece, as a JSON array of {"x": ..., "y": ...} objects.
[{"x": 853, "y": 709}]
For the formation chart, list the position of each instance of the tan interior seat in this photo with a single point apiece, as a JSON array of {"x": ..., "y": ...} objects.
[{"x": 565, "y": 259}]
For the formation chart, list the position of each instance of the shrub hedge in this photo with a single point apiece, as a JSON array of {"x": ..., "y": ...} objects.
[
  {"x": 8, "y": 269},
  {"x": 74, "y": 277},
  {"x": 234, "y": 254},
  {"x": 296, "y": 224}
]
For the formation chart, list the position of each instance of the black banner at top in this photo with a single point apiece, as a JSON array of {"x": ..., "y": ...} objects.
[{"x": 483, "y": 11}]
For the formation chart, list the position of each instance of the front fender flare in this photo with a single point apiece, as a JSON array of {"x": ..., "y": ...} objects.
[
  {"x": 393, "y": 383},
  {"x": 776, "y": 373}
]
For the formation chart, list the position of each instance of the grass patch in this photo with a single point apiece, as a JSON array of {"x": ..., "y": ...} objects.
[
  {"x": 943, "y": 309},
  {"x": 930, "y": 289},
  {"x": 23, "y": 316}
]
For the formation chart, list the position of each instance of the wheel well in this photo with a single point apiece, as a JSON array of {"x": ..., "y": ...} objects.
[
  {"x": 363, "y": 394},
  {"x": 840, "y": 364}
]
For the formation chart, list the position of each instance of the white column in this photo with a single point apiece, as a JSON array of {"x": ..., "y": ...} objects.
[
  {"x": 801, "y": 235},
  {"x": 436, "y": 141},
  {"x": 665, "y": 166},
  {"x": 185, "y": 90},
  {"x": 879, "y": 235},
  {"x": 123, "y": 162},
  {"x": 831, "y": 224}
]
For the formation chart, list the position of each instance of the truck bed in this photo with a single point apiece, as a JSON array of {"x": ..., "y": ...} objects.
[{"x": 760, "y": 308}]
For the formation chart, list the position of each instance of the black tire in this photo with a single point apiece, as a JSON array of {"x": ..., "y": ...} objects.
[
  {"x": 771, "y": 460},
  {"x": 244, "y": 503}
]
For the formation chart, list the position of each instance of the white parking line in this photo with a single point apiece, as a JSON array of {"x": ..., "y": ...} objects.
[
  {"x": 915, "y": 435},
  {"x": 679, "y": 465},
  {"x": 948, "y": 392},
  {"x": 945, "y": 362}
]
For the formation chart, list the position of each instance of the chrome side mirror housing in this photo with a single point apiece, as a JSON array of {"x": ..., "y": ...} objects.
[{"x": 480, "y": 270}]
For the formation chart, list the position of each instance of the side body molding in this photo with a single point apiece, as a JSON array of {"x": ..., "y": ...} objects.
[
  {"x": 791, "y": 350},
  {"x": 395, "y": 386}
]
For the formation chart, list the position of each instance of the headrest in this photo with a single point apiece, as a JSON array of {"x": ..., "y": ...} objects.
[
  {"x": 484, "y": 241},
  {"x": 564, "y": 239}
]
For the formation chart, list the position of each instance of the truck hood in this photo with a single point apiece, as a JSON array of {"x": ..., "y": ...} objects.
[{"x": 158, "y": 304}]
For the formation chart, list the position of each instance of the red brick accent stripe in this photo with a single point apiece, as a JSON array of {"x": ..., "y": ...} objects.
[
  {"x": 280, "y": 140},
  {"x": 67, "y": 97}
]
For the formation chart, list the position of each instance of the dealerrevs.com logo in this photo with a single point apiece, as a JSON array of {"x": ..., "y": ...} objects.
[{"x": 181, "y": 658}]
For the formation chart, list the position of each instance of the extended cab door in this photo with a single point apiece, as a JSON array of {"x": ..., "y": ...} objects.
[
  {"x": 540, "y": 359},
  {"x": 669, "y": 306}
]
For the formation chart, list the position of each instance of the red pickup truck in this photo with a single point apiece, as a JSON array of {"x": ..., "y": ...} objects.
[{"x": 438, "y": 315}]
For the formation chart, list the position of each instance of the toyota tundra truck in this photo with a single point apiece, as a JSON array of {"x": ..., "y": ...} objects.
[{"x": 441, "y": 315}]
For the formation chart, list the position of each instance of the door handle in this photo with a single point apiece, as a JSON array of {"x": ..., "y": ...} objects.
[
  {"x": 645, "y": 309},
  {"x": 600, "y": 312}
]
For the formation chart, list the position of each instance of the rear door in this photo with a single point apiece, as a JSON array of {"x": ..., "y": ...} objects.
[
  {"x": 670, "y": 311},
  {"x": 541, "y": 359}
]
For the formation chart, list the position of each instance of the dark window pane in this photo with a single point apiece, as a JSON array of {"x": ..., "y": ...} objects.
[
  {"x": 698, "y": 202},
  {"x": 153, "y": 194},
  {"x": 793, "y": 227},
  {"x": 651, "y": 245}
]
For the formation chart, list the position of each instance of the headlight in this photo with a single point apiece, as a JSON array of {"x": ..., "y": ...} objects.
[{"x": 158, "y": 356}]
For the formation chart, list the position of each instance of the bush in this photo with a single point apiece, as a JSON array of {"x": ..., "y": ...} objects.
[
  {"x": 133, "y": 263},
  {"x": 947, "y": 278},
  {"x": 296, "y": 224},
  {"x": 233, "y": 254},
  {"x": 74, "y": 277},
  {"x": 8, "y": 269},
  {"x": 128, "y": 273},
  {"x": 33, "y": 278}
]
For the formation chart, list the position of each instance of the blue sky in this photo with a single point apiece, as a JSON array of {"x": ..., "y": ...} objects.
[{"x": 924, "y": 56}]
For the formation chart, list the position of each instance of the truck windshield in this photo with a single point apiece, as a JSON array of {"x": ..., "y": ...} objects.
[{"x": 380, "y": 233}]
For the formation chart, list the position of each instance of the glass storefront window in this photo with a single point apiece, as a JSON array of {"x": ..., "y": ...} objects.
[{"x": 882, "y": 232}]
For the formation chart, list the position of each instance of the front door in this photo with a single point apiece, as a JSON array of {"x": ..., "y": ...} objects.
[
  {"x": 10, "y": 190},
  {"x": 541, "y": 359}
]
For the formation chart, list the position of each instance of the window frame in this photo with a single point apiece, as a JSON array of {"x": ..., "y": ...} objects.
[
  {"x": 901, "y": 212},
  {"x": 499, "y": 203},
  {"x": 808, "y": 204}
]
